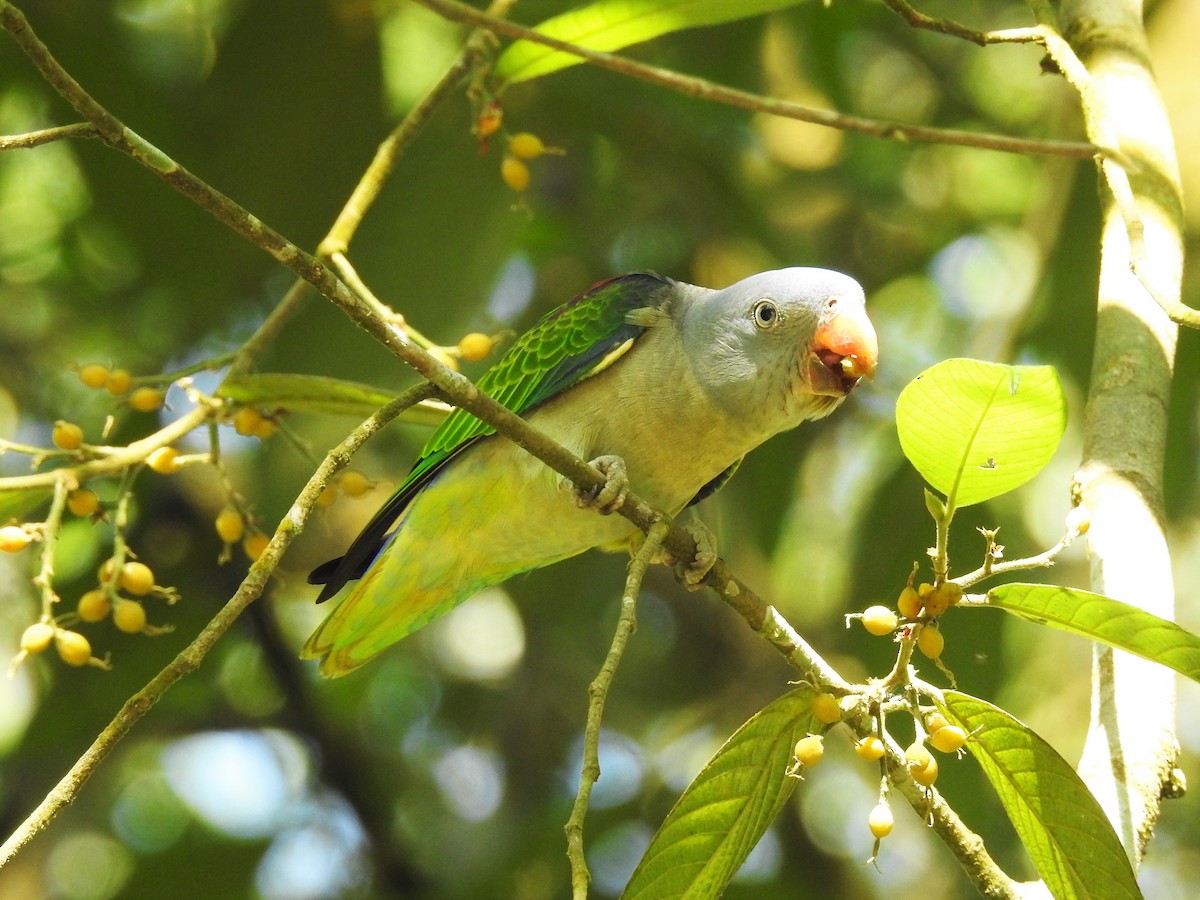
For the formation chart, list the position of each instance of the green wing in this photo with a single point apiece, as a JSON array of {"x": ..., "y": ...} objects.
[{"x": 567, "y": 345}]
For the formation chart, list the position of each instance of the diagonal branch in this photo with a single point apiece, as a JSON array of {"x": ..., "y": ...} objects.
[{"x": 703, "y": 89}]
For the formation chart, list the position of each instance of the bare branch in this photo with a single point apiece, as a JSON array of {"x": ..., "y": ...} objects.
[{"x": 47, "y": 135}]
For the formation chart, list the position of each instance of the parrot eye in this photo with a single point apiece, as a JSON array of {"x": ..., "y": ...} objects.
[{"x": 765, "y": 314}]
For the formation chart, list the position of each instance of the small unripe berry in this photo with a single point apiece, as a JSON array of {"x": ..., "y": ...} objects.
[
  {"x": 67, "y": 436},
  {"x": 73, "y": 648},
  {"x": 13, "y": 539},
  {"x": 354, "y": 483},
  {"x": 526, "y": 145},
  {"x": 514, "y": 173},
  {"x": 1079, "y": 520},
  {"x": 164, "y": 461},
  {"x": 254, "y": 544},
  {"x": 824, "y": 708},
  {"x": 119, "y": 382},
  {"x": 37, "y": 637},
  {"x": 246, "y": 419},
  {"x": 137, "y": 578},
  {"x": 909, "y": 603},
  {"x": 930, "y": 641},
  {"x": 489, "y": 121},
  {"x": 879, "y": 620},
  {"x": 870, "y": 748},
  {"x": 94, "y": 375},
  {"x": 948, "y": 739},
  {"x": 475, "y": 346},
  {"x": 809, "y": 750},
  {"x": 93, "y": 606},
  {"x": 146, "y": 399},
  {"x": 82, "y": 502},
  {"x": 129, "y": 616},
  {"x": 881, "y": 821},
  {"x": 230, "y": 525}
]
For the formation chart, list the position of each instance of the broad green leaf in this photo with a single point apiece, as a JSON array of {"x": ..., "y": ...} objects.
[
  {"x": 18, "y": 504},
  {"x": 1105, "y": 620},
  {"x": 1063, "y": 828},
  {"x": 316, "y": 393},
  {"x": 613, "y": 24},
  {"x": 975, "y": 430},
  {"x": 723, "y": 813}
]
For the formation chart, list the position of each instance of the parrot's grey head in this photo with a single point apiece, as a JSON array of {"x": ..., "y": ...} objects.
[{"x": 781, "y": 347}]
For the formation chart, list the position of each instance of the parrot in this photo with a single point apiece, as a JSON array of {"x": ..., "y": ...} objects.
[{"x": 665, "y": 386}]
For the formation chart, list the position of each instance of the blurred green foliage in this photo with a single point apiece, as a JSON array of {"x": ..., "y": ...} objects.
[{"x": 446, "y": 769}]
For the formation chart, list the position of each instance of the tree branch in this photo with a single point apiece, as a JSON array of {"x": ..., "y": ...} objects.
[
  {"x": 717, "y": 93},
  {"x": 47, "y": 135}
]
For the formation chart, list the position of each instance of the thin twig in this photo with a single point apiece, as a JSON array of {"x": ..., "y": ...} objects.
[
  {"x": 191, "y": 656},
  {"x": 708, "y": 90},
  {"x": 597, "y": 694},
  {"x": 47, "y": 135}
]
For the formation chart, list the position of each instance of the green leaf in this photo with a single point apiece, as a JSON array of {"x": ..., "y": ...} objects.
[
  {"x": 975, "y": 430},
  {"x": 613, "y": 24},
  {"x": 316, "y": 393},
  {"x": 18, "y": 504},
  {"x": 1105, "y": 620},
  {"x": 1063, "y": 828},
  {"x": 723, "y": 813}
]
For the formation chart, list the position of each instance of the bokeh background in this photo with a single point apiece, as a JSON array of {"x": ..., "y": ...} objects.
[{"x": 446, "y": 768}]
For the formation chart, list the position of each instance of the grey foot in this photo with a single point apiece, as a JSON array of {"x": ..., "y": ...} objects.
[
  {"x": 611, "y": 495},
  {"x": 692, "y": 572}
]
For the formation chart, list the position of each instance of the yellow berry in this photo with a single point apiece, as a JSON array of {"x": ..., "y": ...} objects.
[
  {"x": 246, "y": 419},
  {"x": 83, "y": 502},
  {"x": 129, "y": 616},
  {"x": 94, "y": 605},
  {"x": 515, "y": 173},
  {"x": 475, "y": 346},
  {"x": 73, "y": 648},
  {"x": 924, "y": 589},
  {"x": 254, "y": 544},
  {"x": 37, "y": 637},
  {"x": 164, "y": 461},
  {"x": 137, "y": 578},
  {"x": 265, "y": 428},
  {"x": 948, "y": 739},
  {"x": 909, "y": 603},
  {"x": 934, "y": 721},
  {"x": 1079, "y": 520},
  {"x": 94, "y": 375},
  {"x": 879, "y": 620},
  {"x": 67, "y": 436},
  {"x": 881, "y": 821},
  {"x": 526, "y": 145},
  {"x": 870, "y": 748},
  {"x": 146, "y": 399},
  {"x": 930, "y": 641},
  {"x": 327, "y": 496},
  {"x": 119, "y": 382},
  {"x": 942, "y": 597},
  {"x": 924, "y": 775},
  {"x": 824, "y": 708},
  {"x": 809, "y": 750},
  {"x": 917, "y": 754},
  {"x": 13, "y": 539},
  {"x": 230, "y": 525},
  {"x": 354, "y": 483}
]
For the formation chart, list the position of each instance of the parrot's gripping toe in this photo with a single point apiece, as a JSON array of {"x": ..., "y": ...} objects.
[
  {"x": 611, "y": 495},
  {"x": 692, "y": 572}
]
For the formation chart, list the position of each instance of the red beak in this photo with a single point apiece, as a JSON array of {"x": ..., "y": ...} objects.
[{"x": 844, "y": 351}]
